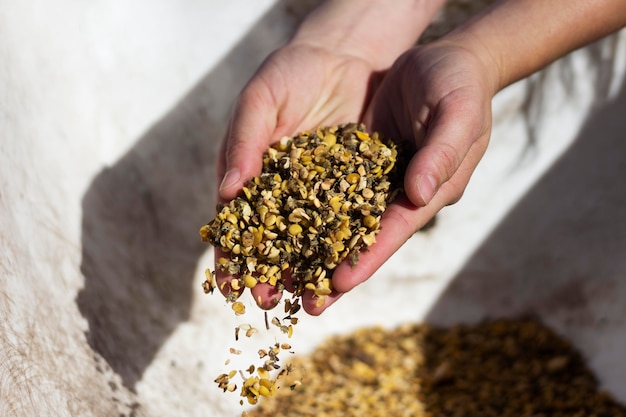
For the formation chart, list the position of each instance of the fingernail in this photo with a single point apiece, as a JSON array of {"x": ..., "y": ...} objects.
[
  {"x": 231, "y": 177},
  {"x": 426, "y": 187}
]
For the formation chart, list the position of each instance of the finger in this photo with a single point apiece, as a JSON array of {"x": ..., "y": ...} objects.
[
  {"x": 398, "y": 223},
  {"x": 459, "y": 121},
  {"x": 224, "y": 280},
  {"x": 266, "y": 296},
  {"x": 402, "y": 219},
  {"x": 310, "y": 302},
  {"x": 250, "y": 131}
]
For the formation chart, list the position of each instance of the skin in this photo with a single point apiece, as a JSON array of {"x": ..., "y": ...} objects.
[
  {"x": 437, "y": 97},
  {"x": 325, "y": 75}
]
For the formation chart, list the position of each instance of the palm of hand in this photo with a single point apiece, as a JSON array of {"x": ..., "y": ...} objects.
[{"x": 297, "y": 88}]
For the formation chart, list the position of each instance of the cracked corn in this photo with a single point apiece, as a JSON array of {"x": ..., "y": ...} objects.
[
  {"x": 318, "y": 201},
  {"x": 496, "y": 368}
]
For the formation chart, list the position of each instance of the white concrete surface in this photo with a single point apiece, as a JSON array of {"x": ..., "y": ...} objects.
[{"x": 110, "y": 116}]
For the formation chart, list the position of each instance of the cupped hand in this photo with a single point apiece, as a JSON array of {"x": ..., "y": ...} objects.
[
  {"x": 437, "y": 99},
  {"x": 299, "y": 87}
]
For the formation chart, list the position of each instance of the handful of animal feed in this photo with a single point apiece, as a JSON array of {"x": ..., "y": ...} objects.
[{"x": 318, "y": 200}]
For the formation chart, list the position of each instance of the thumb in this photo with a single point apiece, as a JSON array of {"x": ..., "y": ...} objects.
[
  {"x": 456, "y": 126},
  {"x": 249, "y": 133}
]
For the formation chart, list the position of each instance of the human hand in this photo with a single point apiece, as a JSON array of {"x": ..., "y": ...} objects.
[
  {"x": 438, "y": 99},
  {"x": 299, "y": 87}
]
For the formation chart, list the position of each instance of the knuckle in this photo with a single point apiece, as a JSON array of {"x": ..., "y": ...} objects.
[
  {"x": 399, "y": 218},
  {"x": 454, "y": 190},
  {"x": 456, "y": 197},
  {"x": 446, "y": 160}
]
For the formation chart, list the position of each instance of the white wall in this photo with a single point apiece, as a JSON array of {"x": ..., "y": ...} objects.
[{"x": 110, "y": 116}]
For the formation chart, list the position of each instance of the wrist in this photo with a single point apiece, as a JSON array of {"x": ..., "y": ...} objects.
[
  {"x": 491, "y": 63},
  {"x": 372, "y": 30}
]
